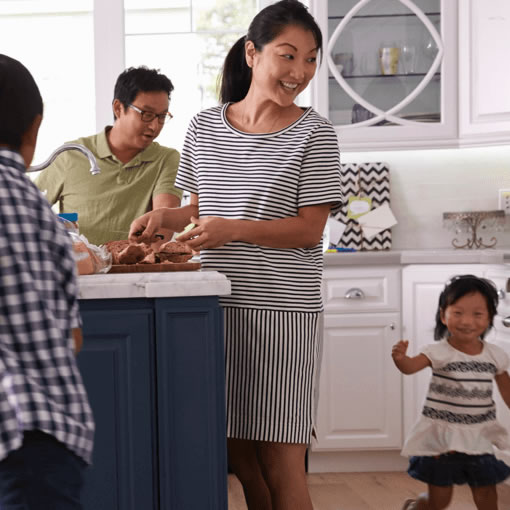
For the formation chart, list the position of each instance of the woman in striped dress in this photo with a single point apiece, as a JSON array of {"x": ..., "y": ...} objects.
[{"x": 264, "y": 175}]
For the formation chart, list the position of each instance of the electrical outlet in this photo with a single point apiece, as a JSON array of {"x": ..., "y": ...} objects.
[{"x": 504, "y": 200}]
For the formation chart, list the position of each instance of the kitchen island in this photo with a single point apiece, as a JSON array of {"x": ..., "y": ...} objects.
[{"x": 152, "y": 363}]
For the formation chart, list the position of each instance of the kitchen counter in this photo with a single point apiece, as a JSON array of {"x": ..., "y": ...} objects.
[
  {"x": 153, "y": 366},
  {"x": 153, "y": 285},
  {"x": 405, "y": 257}
]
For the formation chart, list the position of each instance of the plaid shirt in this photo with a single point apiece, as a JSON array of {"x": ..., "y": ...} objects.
[{"x": 40, "y": 385}]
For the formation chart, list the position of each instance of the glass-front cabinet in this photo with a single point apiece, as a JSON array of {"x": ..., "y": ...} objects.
[{"x": 388, "y": 75}]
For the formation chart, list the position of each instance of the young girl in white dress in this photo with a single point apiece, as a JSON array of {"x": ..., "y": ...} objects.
[{"x": 452, "y": 442}]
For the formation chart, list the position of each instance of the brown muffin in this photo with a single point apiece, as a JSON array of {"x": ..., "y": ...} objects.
[
  {"x": 174, "y": 251},
  {"x": 124, "y": 252}
]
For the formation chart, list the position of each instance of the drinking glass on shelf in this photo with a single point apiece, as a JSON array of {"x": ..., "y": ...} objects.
[
  {"x": 430, "y": 50},
  {"x": 408, "y": 58},
  {"x": 345, "y": 60}
]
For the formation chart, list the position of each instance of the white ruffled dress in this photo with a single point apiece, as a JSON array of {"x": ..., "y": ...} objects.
[{"x": 459, "y": 412}]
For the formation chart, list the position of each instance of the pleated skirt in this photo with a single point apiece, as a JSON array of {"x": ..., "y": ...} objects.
[{"x": 272, "y": 365}]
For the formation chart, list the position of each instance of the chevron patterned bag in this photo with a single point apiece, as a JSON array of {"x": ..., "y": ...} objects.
[{"x": 370, "y": 180}]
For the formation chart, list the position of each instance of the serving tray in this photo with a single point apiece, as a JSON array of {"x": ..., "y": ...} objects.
[{"x": 155, "y": 268}]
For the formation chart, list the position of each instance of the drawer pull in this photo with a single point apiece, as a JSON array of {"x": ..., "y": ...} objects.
[
  {"x": 501, "y": 294},
  {"x": 355, "y": 293},
  {"x": 506, "y": 322}
]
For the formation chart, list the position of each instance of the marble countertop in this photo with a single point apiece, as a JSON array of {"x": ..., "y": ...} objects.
[
  {"x": 406, "y": 257},
  {"x": 212, "y": 283},
  {"x": 153, "y": 285}
]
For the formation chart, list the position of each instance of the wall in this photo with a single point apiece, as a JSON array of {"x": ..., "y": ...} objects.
[{"x": 426, "y": 183}]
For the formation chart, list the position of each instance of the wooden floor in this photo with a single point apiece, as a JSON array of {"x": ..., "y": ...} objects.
[{"x": 367, "y": 491}]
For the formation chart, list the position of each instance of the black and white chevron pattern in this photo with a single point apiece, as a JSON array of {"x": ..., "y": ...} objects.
[{"x": 373, "y": 180}]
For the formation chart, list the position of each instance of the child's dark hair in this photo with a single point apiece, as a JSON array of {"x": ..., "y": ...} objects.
[
  {"x": 20, "y": 101},
  {"x": 264, "y": 28},
  {"x": 460, "y": 286}
]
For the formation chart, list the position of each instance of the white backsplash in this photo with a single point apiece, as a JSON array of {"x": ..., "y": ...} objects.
[{"x": 426, "y": 183}]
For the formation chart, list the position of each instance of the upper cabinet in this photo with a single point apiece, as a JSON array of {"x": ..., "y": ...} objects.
[
  {"x": 390, "y": 74},
  {"x": 484, "y": 71}
]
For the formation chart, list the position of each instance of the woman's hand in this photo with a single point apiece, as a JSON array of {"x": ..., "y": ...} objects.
[
  {"x": 145, "y": 228},
  {"x": 209, "y": 232}
]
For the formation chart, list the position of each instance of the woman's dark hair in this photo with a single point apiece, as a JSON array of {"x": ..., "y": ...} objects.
[
  {"x": 20, "y": 101},
  {"x": 460, "y": 286},
  {"x": 139, "y": 79},
  {"x": 264, "y": 28}
]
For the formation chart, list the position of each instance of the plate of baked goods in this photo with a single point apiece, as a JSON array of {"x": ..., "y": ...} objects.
[{"x": 140, "y": 258}]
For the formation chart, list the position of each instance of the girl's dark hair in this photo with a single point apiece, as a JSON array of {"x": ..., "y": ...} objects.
[
  {"x": 264, "y": 28},
  {"x": 460, "y": 286},
  {"x": 140, "y": 79}
]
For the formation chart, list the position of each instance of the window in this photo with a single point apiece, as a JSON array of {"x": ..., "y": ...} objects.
[
  {"x": 188, "y": 41},
  {"x": 54, "y": 39},
  {"x": 75, "y": 49}
]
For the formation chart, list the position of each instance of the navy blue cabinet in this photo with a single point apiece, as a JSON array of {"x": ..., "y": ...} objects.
[{"x": 154, "y": 373}]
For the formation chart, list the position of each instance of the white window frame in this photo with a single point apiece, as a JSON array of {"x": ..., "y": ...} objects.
[{"x": 109, "y": 55}]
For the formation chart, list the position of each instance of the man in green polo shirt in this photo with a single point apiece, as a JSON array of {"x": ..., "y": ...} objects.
[{"x": 137, "y": 174}]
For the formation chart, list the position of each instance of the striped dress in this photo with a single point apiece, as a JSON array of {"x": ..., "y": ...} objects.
[{"x": 272, "y": 315}]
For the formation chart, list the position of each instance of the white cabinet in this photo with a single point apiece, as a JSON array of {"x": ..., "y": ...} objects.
[
  {"x": 421, "y": 286},
  {"x": 500, "y": 275},
  {"x": 464, "y": 101},
  {"x": 366, "y": 406},
  {"x": 360, "y": 389},
  {"x": 502, "y": 411},
  {"x": 484, "y": 76}
]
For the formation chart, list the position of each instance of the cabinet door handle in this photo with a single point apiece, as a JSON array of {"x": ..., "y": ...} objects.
[
  {"x": 506, "y": 322},
  {"x": 355, "y": 293},
  {"x": 392, "y": 326},
  {"x": 501, "y": 294}
]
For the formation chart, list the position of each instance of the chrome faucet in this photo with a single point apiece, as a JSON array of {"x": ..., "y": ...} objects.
[{"x": 94, "y": 169}]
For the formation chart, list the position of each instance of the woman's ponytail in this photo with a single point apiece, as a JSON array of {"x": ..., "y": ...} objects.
[
  {"x": 264, "y": 28},
  {"x": 236, "y": 74}
]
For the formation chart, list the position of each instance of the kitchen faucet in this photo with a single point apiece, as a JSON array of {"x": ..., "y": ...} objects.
[{"x": 94, "y": 169}]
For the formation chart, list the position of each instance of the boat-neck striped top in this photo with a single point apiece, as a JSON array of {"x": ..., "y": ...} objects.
[{"x": 263, "y": 177}]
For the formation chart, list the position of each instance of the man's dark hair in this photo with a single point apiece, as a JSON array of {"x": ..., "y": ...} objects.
[
  {"x": 20, "y": 101},
  {"x": 140, "y": 79}
]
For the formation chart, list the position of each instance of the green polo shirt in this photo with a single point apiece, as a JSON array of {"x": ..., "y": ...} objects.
[{"x": 108, "y": 202}]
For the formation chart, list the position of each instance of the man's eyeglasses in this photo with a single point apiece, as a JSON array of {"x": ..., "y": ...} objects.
[{"x": 150, "y": 116}]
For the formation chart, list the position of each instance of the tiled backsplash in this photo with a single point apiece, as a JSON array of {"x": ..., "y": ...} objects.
[{"x": 426, "y": 183}]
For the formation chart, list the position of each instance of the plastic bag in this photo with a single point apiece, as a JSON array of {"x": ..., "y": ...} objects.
[{"x": 90, "y": 259}]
